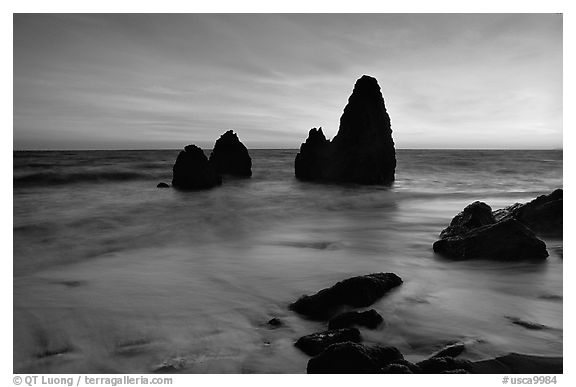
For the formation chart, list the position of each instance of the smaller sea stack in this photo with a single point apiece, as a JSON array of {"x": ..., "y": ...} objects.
[
  {"x": 230, "y": 156},
  {"x": 192, "y": 171}
]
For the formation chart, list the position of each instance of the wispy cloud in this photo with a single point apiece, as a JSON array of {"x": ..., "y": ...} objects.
[{"x": 129, "y": 81}]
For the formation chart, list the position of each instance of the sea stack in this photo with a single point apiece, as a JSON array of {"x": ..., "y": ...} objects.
[
  {"x": 363, "y": 150},
  {"x": 192, "y": 170},
  {"x": 230, "y": 156}
]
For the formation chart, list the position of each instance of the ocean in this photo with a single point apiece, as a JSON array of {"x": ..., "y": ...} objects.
[{"x": 112, "y": 274}]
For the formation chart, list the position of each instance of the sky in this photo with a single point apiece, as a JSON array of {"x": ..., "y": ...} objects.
[{"x": 154, "y": 81}]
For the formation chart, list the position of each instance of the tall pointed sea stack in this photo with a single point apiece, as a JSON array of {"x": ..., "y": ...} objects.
[{"x": 363, "y": 150}]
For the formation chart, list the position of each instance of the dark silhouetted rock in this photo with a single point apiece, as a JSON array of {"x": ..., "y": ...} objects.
[
  {"x": 363, "y": 150},
  {"x": 313, "y": 156},
  {"x": 358, "y": 292},
  {"x": 162, "y": 185},
  {"x": 507, "y": 240},
  {"x": 192, "y": 170},
  {"x": 230, "y": 156},
  {"x": 437, "y": 365},
  {"x": 450, "y": 350},
  {"x": 542, "y": 215},
  {"x": 352, "y": 358},
  {"x": 476, "y": 233},
  {"x": 516, "y": 363},
  {"x": 317, "y": 342},
  {"x": 369, "y": 319}
]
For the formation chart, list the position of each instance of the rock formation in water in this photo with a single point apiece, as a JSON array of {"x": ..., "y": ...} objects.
[
  {"x": 162, "y": 185},
  {"x": 353, "y": 358},
  {"x": 317, "y": 342},
  {"x": 230, "y": 156},
  {"x": 358, "y": 292},
  {"x": 476, "y": 234},
  {"x": 542, "y": 215},
  {"x": 363, "y": 150},
  {"x": 192, "y": 170}
]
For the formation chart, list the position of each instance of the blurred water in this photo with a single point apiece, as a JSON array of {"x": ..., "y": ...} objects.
[{"x": 112, "y": 274}]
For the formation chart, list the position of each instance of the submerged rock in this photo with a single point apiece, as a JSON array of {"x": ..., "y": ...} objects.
[
  {"x": 317, "y": 342},
  {"x": 358, "y": 292},
  {"x": 363, "y": 150},
  {"x": 542, "y": 215},
  {"x": 450, "y": 350},
  {"x": 275, "y": 322},
  {"x": 369, "y": 319},
  {"x": 475, "y": 233},
  {"x": 352, "y": 358},
  {"x": 162, "y": 185},
  {"x": 230, "y": 156},
  {"x": 437, "y": 365},
  {"x": 192, "y": 170}
]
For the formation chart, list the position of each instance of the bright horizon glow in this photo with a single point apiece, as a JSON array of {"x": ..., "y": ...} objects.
[{"x": 452, "y": 81}]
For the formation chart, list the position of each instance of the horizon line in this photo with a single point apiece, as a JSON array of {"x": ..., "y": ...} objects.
[{"x": 259, "y": 148}]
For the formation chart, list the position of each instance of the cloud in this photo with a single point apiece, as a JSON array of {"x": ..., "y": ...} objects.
[{"x": 129, "y": 81}]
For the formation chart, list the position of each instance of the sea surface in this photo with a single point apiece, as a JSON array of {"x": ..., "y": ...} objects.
[{"x": 112, "y": 274}]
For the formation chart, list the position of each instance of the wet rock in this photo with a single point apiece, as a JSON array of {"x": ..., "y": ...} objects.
[
  {"x": 192, "y": 170},
  {"x": 450, "y": 350},
  {"x": 317, "y": 342},
  {"x": 526, "y": 324},
  {"x": 358, "y": 292},
  {"x": 474, "y": 215},
  {"x": 351, "y": 358},
  {"x": 507, "y": 240},
  {"x": 230, "y": 156},
  {"x": 363, "y": 150},
  {"x": 369, "y": 319},
  {"x": 542, "y": 215},
  {"x": 436, "y": 365},
  {"x": 170, "y": 366},
  {"x": 403, "y": 362},
  {"x": 162, "y": 185}
]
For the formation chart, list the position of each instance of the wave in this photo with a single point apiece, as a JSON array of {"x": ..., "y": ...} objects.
[{"x": 59, "y": 178}]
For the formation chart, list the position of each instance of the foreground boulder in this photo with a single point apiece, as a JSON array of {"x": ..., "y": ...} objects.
[
  {"x": 363, "y": 150},
  {"x": 193, "y": 171},
  {"x": 317, "y": 342},
  {"x": 358, "y": 292},
  {"x": 542, "y": 215},
  {"x": 369, "y": 319},
  {"x": 476, "y": 234},
  {"x": 352, "y": 358},
  {"x": 230, "y": 156}
]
